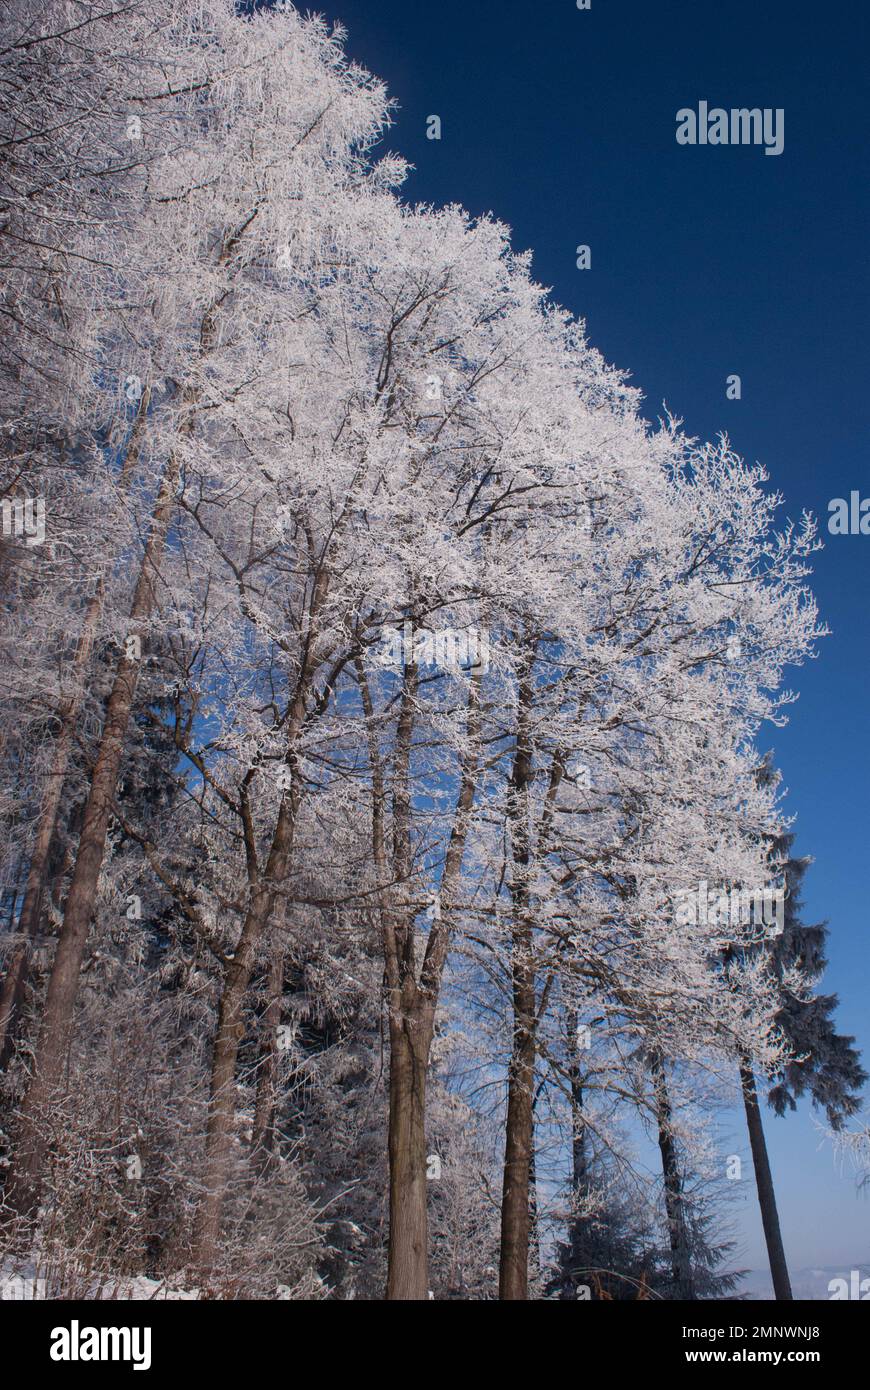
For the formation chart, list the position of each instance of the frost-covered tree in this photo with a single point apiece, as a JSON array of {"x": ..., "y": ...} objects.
[
  {"x": 213, "y": 205},
  {"x": 818, "y": 1061},
  {"x": 382, "y": 683}
]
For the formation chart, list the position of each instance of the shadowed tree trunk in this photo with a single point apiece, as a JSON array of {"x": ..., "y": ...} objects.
[
  {"x": 263, "y": 904},
  {"x": 15, "y": 981},
  {"x": 519, "y": 1131},
  {"x": 579, "y": 1163},
  {"x": 57, "y": 1022},
  {"x": 410, "y": 1002},
  {"x": 764, "y": 1184},
  {"x": 579, "y": 1151},
  {"x": 263, "y": 1137},
  {"x": 534, "y": 1227},
  {"x": 55, "y": 1034},
  {"x": 517, "y": 1195},
  {"x": 222, "y": 1098},
  {"x": 519, "y": 1134},
  {"x": 681, "y": 1263},
  {"x": 409, "y": 1035}
]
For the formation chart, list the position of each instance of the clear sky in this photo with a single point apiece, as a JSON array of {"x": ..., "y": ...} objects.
[{"x": 706, "y": 261}]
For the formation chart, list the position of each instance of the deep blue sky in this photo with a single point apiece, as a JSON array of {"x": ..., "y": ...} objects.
[{"x": 705, "y": 261}]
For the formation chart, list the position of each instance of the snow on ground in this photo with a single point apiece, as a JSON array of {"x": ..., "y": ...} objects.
[{"x": 22, "y": 1281}]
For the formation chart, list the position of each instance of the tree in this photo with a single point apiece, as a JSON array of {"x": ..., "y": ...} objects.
[
  {"x": 251, "y": 194},
  {"x": 387, "y": 682},
  {"x": 819, "y": 1060}
]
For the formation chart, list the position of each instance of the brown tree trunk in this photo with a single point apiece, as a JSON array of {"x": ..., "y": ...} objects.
[
  {"x": 681, "y": 1264},
  {"x": 410, "y": 1039},
  {"x": 764, "y": 1184},
  {"x": 264, "y": 893},
  {"x": 263, "y": 1137},
  {"x": 229, "y": 1035},
  {"x": 55, "y": 1035},
  {"x": 57, "y": 1021},
  {"x": 408, "y": 1246},
  {"x": 222, "y": 1101},
  {"x": 519, "y": 1134},
  {"x": 519, "y": 1131},
  {"x": 578, "y": 1224},
  {"x": 410, "y": 1033},
  {"x": 579, "y": 1175},
  {"x": 534, "y": 1225},
  {"x": 411, "y": 1005},
  {"x": 15, "y": 981}
]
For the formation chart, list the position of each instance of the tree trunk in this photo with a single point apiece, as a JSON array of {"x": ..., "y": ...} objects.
[
  {"x": 578, "y": 1223},
  {"x": 230, "y": 1032},
  {"x": 222, "y": 1100},
  {"x": 411, "y": 1021},
  {"x": 410, "y": 1039},
  {"x": 15, "y": 982},
  {"x": 55, "y": 1035},
  {"x": 579, "y": 1175},
  {"x": 681, "y": 1263},
  {"x": 519, "y": 1133},
  {"x": 57, "y": 1022},
  {"x": 411, "y": 1006},
  {"x": 520, "y": 1125},
  {"x": 263, "y": 1137},
  {"x": 237, "y": 974},
  {"x": 764, "y": 1184},
  {"x": 534, "y": 1226}
]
